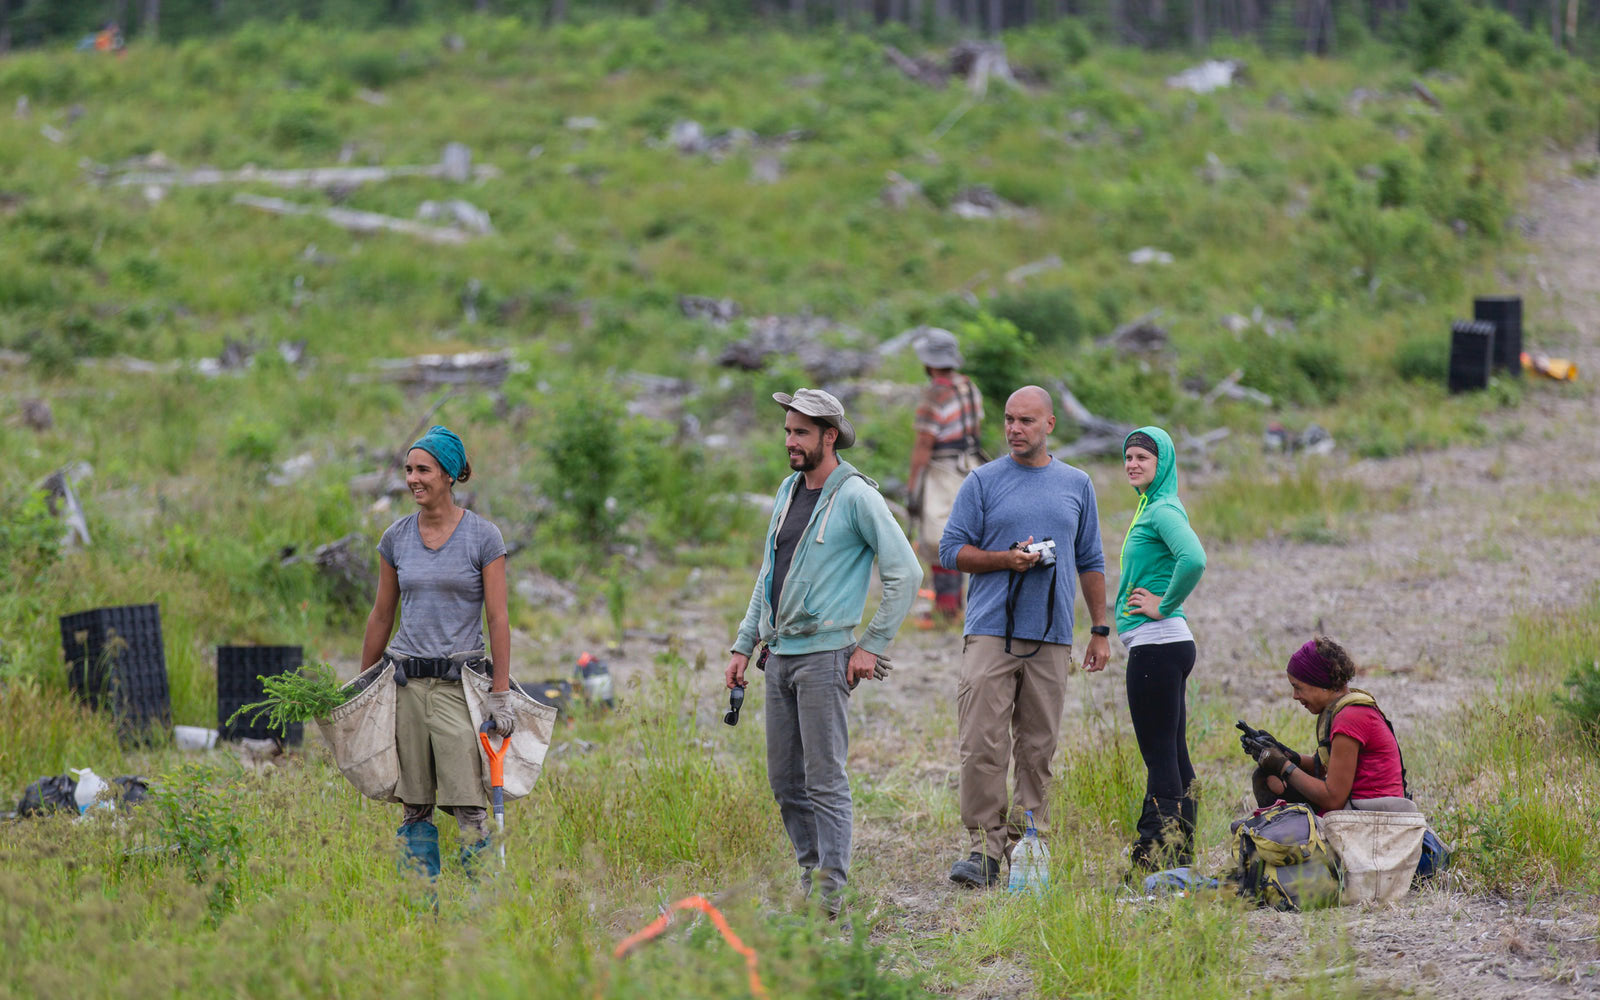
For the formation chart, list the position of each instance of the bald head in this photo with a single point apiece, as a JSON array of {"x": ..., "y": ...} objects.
[
  {"x": 1034, "y": 396},
  {"x": 1030, "y": 417}
]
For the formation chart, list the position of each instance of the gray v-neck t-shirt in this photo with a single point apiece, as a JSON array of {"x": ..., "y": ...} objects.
[{"x": 441, "y": 590}]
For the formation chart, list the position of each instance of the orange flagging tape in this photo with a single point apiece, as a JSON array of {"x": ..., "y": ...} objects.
[{"x": 655, "y": 927}]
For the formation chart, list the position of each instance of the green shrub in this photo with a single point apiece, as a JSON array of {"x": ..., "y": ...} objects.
[
  {"x": 302, "y": 123},
  {"x": 584, "y": 461},
  {"x": 1119, "y": 388},
  {"x": 1400, "y": 180},
  {"x": 253, "y": 442},
  {"x": 1322, "y": 363},
  {"x": 1582, "y": 697},
  {"x": 379, "y": 68},
  {"x": 196, "y": 827},
  {"x": 1423, "y": 357},
  {"x": 86, "y": 338},
  {"x": 30, "y": 535},
  {"x": 1000, "y": 357},
  {"x": 1050, "y": 314},
  {"x": 66, "y": 250}
]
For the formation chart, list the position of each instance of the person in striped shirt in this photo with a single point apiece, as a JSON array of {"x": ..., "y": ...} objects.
[{"x": 946, "y": 450}]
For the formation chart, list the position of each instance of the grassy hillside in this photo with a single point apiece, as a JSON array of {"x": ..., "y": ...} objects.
[
  {"x": 1354, "y": 216},
  {"x": 1357, "y": 217}
]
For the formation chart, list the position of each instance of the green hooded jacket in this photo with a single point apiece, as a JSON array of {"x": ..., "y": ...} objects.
[{"x": 1160, "y": 553}]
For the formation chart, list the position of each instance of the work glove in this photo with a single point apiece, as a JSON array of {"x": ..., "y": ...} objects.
[
  {"x": 881, "y": 671},
  {"x": 1273, "y": 761},
  {"x": 501, "y": 713},
  {"x": 1263, "y": 740}
]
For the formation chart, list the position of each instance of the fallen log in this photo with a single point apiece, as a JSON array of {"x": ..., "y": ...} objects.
[
  {"x": 1091, "y": 424},
  {"x": 454, "y": 165},
  {"x": 1231, "y": 388},
  {"x": 487, "y": 368},
  {"x": 1017, "y": 275},
  {"x": 919, "y": 70},
  {"x": 1141, "y": 336},
  {"x": 357, "y": 222}
]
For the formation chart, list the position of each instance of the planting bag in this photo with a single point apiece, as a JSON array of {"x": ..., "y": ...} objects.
[
  {"x": 1378, "y": 851},
  {"x": 361, "y": 733},
  {"x": 525, "y": 750}
]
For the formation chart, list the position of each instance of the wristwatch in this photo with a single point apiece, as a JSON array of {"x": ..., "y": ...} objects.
[
  {"x": 1100, "y": 630},
  {"x": 1288, "y": 769}
]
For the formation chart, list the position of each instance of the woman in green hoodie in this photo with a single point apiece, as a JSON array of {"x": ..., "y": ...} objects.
[{"x": 1162, "y": 560}]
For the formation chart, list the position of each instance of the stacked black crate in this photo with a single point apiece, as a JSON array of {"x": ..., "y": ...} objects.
[
  {"x": 239, "y": 673},
  {"x": 116, "y": 660},
  {"x": 1471, "y": 354},
  {"x": 1505, "y": 312}
]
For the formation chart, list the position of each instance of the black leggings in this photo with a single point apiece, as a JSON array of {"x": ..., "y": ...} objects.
[{"x": 1157, "y": 675}]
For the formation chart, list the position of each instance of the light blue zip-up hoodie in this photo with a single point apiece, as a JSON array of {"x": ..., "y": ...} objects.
[{"x": 825, "y": 592}]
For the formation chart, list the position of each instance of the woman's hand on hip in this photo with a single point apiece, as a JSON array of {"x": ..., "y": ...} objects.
[{"x": 1141, "y": 601}]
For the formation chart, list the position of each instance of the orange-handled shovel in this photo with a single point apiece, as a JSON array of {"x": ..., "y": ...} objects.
[{"x": 497, "y": 781}]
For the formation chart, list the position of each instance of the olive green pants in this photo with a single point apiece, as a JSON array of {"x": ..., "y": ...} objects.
[{"x": 439, "y": 762}]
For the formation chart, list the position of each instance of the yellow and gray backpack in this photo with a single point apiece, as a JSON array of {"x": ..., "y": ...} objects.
[{"x": 1282, "y": 860}]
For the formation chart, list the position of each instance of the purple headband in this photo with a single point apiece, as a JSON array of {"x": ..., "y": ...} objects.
[{"x": 1306, "y": 664}]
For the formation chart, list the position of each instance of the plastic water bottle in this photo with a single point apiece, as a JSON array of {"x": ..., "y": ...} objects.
[
  {"x": 1030, "y": 862},
  {"x": 90, "y": 785}
]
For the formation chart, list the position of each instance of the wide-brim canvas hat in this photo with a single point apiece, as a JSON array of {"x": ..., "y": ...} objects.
[
  {"x": 823, "y": 406},
  {"x": 937, "y": 348}
]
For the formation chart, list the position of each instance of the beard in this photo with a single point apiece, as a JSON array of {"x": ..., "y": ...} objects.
[{"x": 805, "y": 461}]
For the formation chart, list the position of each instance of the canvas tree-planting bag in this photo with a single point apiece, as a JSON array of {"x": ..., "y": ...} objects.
[
  {"x": 525, "y": 750},
  {"x": 1378, "y": 851},
  {"x": 361, "y": 733}
]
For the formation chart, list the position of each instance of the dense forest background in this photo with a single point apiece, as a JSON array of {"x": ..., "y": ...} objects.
[{"x": 1320, "y": 26}]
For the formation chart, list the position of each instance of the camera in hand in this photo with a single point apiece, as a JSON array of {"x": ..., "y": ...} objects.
[{"x": 1046, "y": 547}]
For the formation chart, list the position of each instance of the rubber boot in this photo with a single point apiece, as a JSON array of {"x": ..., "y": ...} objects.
[
  {"x": 469, "y": 857},
  {"x": 419, "y": 843},
  {"x": 1160, "y": 835},
  {"x": 1188, "y": 815}
]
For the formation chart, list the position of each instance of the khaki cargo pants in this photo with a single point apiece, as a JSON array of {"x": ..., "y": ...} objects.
[
  {"x": 1008, "y": 709},
  {"x": 438, "y": 747}
]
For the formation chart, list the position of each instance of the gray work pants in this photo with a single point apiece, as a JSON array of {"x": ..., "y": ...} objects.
[{"x": 807, "y": 742}]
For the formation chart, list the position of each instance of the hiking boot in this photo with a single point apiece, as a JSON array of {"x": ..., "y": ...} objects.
[
  {"x": 1144, "y": 858},
  {"x": 832, "y": 901},
  {"x": 976, "y": 871}
]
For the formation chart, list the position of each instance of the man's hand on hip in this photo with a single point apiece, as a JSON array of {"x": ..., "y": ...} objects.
[
  {"x": 1098, "y": 654},
  {"x": 734, "y": 675},
  {"x": 862, "y": 666}
]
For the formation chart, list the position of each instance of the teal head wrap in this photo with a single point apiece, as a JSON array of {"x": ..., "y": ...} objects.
[{"x": 441, "y": 442}]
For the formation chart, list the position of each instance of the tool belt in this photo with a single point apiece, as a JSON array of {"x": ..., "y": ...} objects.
[{"x": 446, "y": 668}]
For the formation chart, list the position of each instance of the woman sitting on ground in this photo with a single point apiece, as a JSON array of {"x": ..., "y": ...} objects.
[{"x": 1357, "y": 757}]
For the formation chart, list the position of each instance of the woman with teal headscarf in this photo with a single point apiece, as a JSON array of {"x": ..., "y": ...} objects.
[
  {"x": 1162, "y": 560},
  {"x": 445, "y": 569}
]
